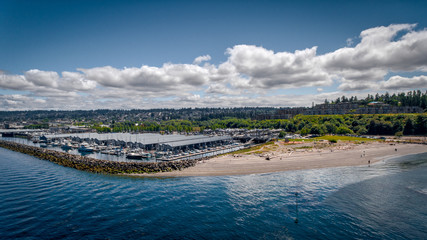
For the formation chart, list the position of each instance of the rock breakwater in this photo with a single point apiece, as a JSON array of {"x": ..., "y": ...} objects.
[{"x": 97, "y": 165}]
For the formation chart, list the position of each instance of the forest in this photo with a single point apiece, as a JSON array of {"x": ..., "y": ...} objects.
[
  {"x": 411, "y": 98},
  {"x": 199, "y": 119},
  {"x": 378, "y": 124}
]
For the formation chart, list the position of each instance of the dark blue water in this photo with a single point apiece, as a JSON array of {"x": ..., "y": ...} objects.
[{"x": 41, "y": 200}]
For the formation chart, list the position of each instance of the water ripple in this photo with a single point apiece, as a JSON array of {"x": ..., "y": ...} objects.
[{"x": 39, "y": 199}]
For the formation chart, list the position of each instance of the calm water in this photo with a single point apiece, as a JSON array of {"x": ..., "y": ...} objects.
[
  {"x": 119, "y": 158},
  {"x": 41, "y": 200}
]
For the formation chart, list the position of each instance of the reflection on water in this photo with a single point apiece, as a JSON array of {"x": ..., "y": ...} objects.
[
  {"x": 39, "y": 199},
  {"x": 390, "y": 206},
  {"x": 97, "y": 155},
  {"x": 120, "y": 157}
]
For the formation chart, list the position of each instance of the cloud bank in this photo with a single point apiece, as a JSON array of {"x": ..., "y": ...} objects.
[{"x": 251, "y": 76}]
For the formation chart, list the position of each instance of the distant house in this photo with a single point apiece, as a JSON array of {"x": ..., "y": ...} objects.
[
  {"x": 377, "y": 104},
  {"x": 341, "y": 108},
  {"x": 74, "y": 129}
]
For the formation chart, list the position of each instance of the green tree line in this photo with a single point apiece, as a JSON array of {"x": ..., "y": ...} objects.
[
  {"x": 378, "y": 124},
  {"x": 411, "y": 98}
]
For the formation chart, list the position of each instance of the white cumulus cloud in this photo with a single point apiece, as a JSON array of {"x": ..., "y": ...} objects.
[
  {"x": 146, "y": 78},
  {"x": 201, "y": 59},
  {"x": 379, "y": 52},
  {"x": 250, "y": 76},
  {"x": 267, "y": 69},
  {"x": 75, "y": 81},
  {"x": 14, "y": 82},
  {"x": 401, "y": 83},
  {"x": 42, "y": 78}
]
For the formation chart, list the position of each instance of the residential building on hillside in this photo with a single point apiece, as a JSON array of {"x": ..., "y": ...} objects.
[{"x": 340, "y": 108}]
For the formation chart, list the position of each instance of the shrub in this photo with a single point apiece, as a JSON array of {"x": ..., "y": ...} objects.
[{"x": 344, "y": 130}]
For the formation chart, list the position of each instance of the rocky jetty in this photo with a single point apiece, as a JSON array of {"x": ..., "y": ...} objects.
[{"x": 97, "y": 165}]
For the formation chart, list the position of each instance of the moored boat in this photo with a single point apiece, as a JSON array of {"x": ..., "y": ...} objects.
[
  {"x": 137, "y": 155},
  {"x": 66, "y": 145},
  {"x": 85, "y": 147}
]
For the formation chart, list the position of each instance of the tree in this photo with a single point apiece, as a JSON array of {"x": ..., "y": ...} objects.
[
  {"x": 344, "y": 130},
  {"x": 398, "y": 126},
  {"x": 330, "y": 128},
  {"x": 409, "y": 127},
  {"x": 344, "y": 99},
  {"x": 421, "y": 124},
  {"x": 372, "y": 127},
  {"x": 305, "y": 131},
  {"x": 316, "y": 129},
  {"x": 362, "y": 131}
]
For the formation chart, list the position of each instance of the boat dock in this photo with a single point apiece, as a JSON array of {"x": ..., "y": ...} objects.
[
  {"x": 202, "y": 154},
  {"x": 147, "y": 147}
]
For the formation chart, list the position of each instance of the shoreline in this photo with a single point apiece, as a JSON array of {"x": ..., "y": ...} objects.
[
  {"x": 276, "y": 157},
  {"x": 96, "y": 165},
  {"x": 345, "y": 154}
]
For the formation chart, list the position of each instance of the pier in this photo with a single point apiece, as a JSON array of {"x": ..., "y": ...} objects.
[
  {"x": 97, "y": 165},
  {"x": 128, "y": 147}
]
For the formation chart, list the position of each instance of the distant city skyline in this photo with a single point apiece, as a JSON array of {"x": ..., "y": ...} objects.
[{"x": 173, "y": 54}]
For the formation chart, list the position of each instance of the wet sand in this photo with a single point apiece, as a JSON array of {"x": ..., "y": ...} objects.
[{"x": 296, "y": 157}]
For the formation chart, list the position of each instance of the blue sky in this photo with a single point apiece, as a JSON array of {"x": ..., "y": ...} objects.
[{"x": 141, "y": 54}]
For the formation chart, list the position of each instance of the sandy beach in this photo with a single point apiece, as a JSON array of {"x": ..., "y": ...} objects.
[{"x": 283, "y": 157}]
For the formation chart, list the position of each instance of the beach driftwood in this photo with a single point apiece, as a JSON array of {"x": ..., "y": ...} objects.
[{"x": 97, "y": 165}]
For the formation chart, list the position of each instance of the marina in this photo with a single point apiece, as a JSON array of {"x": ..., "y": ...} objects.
[{"x": 127, "y": 147}]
